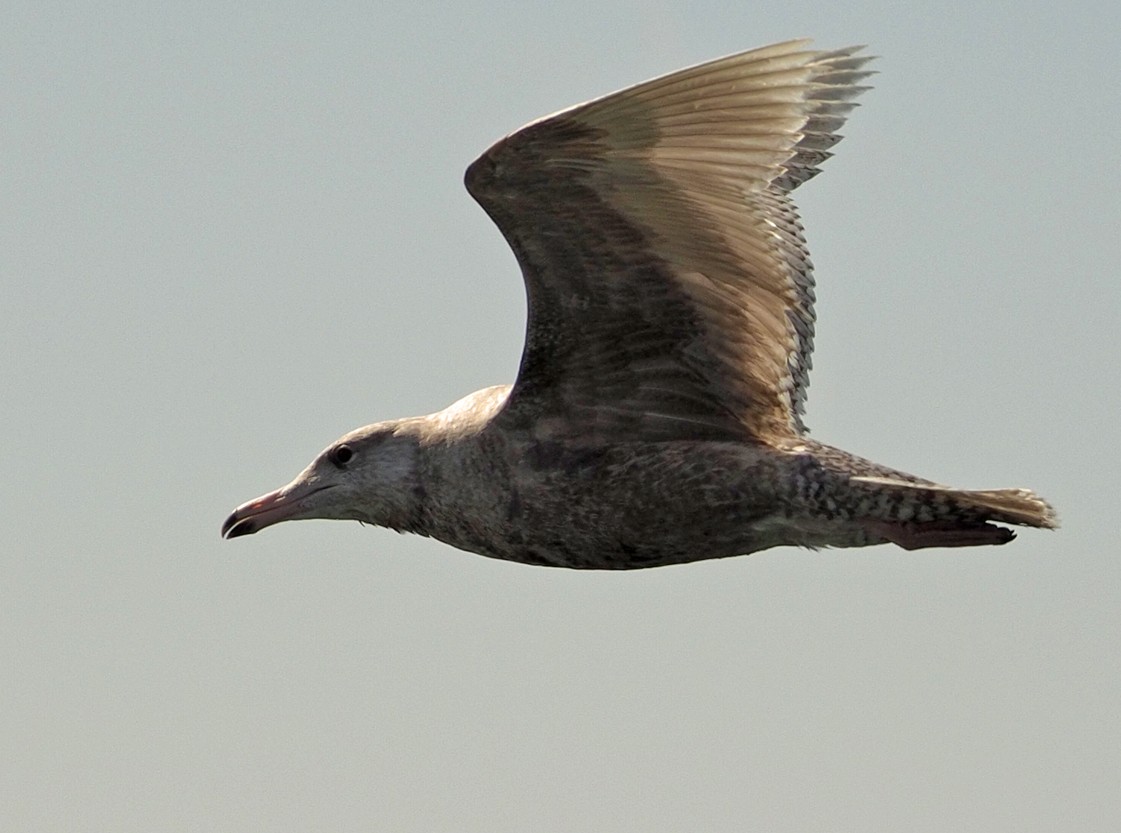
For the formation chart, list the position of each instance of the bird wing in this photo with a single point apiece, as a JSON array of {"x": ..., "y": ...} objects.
[{"x": 670, "y": 291}]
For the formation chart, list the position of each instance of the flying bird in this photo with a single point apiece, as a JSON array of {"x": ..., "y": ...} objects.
[{"x": 656, "y": 417}]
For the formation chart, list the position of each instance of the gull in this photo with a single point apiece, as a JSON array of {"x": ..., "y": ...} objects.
[{"x": 657, "y": 413}]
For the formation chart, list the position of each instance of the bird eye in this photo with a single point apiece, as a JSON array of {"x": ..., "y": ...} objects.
[{"x": 341, "y": 455}]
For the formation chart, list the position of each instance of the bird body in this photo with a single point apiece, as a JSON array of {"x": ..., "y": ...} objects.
[{"x": 657, "y": 413}]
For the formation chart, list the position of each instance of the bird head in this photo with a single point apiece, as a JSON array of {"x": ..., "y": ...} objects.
[{"x": 368, "y": 475}]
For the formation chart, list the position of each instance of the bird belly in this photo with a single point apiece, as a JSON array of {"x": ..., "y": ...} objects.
[{"x": 643, "y": 505}]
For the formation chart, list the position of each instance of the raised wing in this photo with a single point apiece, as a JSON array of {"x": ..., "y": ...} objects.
[{"x": 669, "y": 288}]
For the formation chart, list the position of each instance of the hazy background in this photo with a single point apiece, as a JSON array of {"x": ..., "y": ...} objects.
[{"x": 232, "y": 232}]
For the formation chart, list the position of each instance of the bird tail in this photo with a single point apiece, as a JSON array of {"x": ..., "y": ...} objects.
[
  {"x": 1022, "y": 507},
  {"x": 960, "y": 517}
]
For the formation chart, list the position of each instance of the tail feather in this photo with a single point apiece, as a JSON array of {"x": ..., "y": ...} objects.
[
  {"x": 1021, "y": 507},
  {"x": 1013, "y": 506}
]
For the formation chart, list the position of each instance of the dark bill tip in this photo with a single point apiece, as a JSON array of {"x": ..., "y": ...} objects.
[{"x": 236, "y": 526}]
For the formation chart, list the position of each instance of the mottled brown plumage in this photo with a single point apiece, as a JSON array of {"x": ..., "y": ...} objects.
[{"x": 657, "y": 413}]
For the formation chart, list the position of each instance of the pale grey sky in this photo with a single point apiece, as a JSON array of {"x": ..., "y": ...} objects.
[{"x": 234, "y": 231}]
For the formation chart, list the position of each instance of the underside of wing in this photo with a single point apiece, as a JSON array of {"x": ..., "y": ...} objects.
[{"x": 669, "y": 288}]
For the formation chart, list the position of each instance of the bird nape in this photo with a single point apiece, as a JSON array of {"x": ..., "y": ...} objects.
[{"x": 656, "y": 417}]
